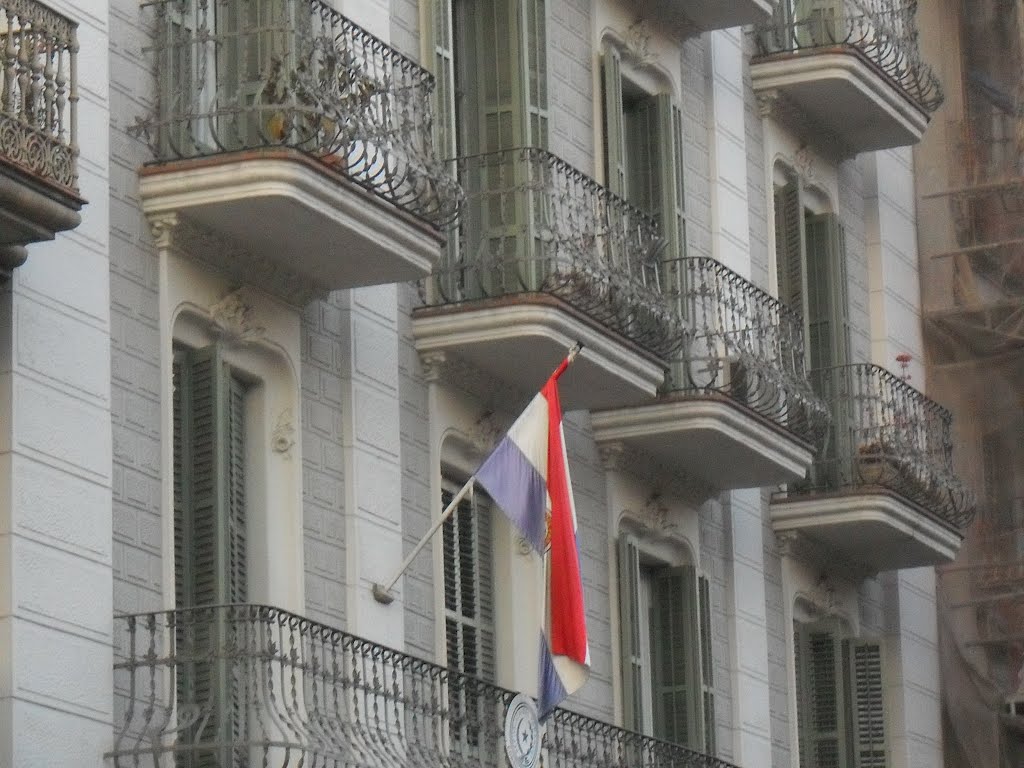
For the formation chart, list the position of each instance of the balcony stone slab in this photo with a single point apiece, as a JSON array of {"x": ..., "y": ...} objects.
[
  {"x": 705, "y": 15},
  {"x": 281, "y": 206},
  {"x": 712, "y": 438},
  {"x": 843, "y": 93},
  {"x": 33, "y": 210},
  {"x": 520, "y": 339},
  {"x": 878, "y": 529}
]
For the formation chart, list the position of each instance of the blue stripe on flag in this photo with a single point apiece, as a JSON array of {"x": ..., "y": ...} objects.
[
  {"x": 518, "y": 488},
  {"x": 552, "y": 690}
]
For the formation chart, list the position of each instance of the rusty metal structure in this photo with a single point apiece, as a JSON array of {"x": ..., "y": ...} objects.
[{"x": 970, "y": 193}]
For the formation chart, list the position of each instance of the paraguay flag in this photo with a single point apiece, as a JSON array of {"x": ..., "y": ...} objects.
[{"x": 527, "y": 475}]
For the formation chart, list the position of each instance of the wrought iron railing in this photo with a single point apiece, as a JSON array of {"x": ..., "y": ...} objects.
[
  {"x": 238, "y": 685},
  {"x": 39, "y": 100},
  {"x": 884, "y": 31},
  {"x": 236, "y": 75},
  {"x": 532, "y": 223},
  {"x": 740, "y": 342},
  {"x": 884, "y": 433}
]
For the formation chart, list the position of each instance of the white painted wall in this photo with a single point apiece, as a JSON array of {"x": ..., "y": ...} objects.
[{"x": 56, "y": 699}]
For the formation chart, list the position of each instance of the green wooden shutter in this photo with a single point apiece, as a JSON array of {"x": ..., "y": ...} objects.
[
  {"x": 820, "y": 684},
  {"x": 614, "y": 126},
  {"x": 789, "y": 247},
  {"x": 629, "y": 628},
  {"x": 469, "y": 588},
  {"x": 443, "y": 45},
  {"x": 643, "y": 176},
  {"x": 864, "y": 664},
  {"x": 209, "y": 540},
  {"x": 676, "y": 670},
  {"x": 671, "y": 202},
  {"x": 818, "y": 22},
  {"x": 535, "y": 44},
  {"x": 828, "y": 323},
  {"x": 707, "y": 666}
]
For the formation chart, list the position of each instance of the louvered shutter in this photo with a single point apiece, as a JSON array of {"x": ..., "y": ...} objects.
[
  {"x": 818, "y": 22},
  {"x": 534, "y": 25},
  {"x": 493, "y": 75},
  {"x": 614, "y": 126},
  {"x": 469, "y": 588},
  {"x": 676, "y": 674},
  {"x": 209, "y": 540},
  {"x": 668, "y": 171},
  {"x": 175, "y": 77},
  {"x": 629, "y": 627},
  {"x": 864, "y": 664},
  {"x": 789, "y": 247},
  {"x": 258, "y": 46},
  {"x": 827, "y": 306},
  {"x": 820, "y": 683},
  {"x": 707, "y": 666},
  {"x": 442, "y": 39},
  {"x": 469, "y": 619}
]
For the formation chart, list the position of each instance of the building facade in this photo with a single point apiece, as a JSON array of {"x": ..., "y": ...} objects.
[
  {"x": 312, "y": 258},
  {"x": 972, "y": 269}
]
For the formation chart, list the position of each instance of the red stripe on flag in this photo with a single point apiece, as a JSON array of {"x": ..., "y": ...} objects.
[{"x": 568, "y": 617}]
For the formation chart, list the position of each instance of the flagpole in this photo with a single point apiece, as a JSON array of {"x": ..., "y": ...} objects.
[{"x": 381, "y": 592}]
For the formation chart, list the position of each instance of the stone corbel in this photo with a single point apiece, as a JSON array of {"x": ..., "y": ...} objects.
[
  {"x": 767, "y": 103},
  {"x": 434, "y": 365}
]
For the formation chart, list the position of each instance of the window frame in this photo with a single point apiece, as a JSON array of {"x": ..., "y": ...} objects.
[
  {"x": 619, "y": 77},
  {"x": 858, "y": 690},
  {"x": 637, "y": 678}
]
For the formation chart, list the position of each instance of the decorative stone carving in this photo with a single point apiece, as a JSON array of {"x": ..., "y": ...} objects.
[
  {"x": 282, "y": 439},
  {"x": 797, "y": 545},
  {"x": 656, "y": 516},
  {"x": 434, "y": 364},
  {"x": 233, "y": 319},
  {"x": 487, "y": 431},
  {"x": 613, "y": 455},
  {"x": 803, "y": 161},
  {"x": 638, "y": 42},
  {"x": 162, "y": 226},
  {"x": 767, "y": 103},
  {"x": 192, "y": 241},
  {"x": 822, "y": 598}
]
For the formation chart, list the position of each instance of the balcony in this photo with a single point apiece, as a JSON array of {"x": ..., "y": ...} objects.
[
  {"x": 882, "y": 491},
  {"x": 38, "y": 127},
  {"x": 852, "y": 70},
  {"x": 698, "y": 16},
  {"x": 297, "y": 139},
  {"x": 544, "y": 256},
  {"x": 737, "y": 410},
  {"x": 253, "y": 685}
]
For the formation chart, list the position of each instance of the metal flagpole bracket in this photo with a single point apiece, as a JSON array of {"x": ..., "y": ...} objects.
[{"x": 382, "y": 595}]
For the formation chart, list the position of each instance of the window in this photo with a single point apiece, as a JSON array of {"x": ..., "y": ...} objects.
[
  {"x": 810, "y": 262},
  {"x": 665, "y": 621},
  {"x": 209, "y": 541},
  {"x": 490, "y": 61},
  {"x": 643, "y": 143},
  {"x": 840, "y": 692}
]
